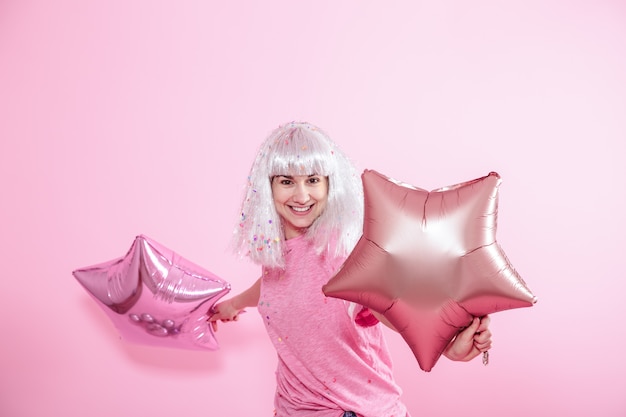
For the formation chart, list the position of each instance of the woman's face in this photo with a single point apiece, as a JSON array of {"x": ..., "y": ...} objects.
[{"x": 299, "y": 201}]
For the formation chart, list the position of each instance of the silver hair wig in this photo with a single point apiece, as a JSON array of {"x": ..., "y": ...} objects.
[{"x": 299, "y": 149}]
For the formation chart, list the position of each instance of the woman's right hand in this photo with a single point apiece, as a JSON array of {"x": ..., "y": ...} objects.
[
  {"x": 229, "y": 310},
  {"x": 224, "y": 312}
]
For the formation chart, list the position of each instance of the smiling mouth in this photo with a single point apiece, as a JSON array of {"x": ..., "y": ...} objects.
[{"x": 301, "y": 209}]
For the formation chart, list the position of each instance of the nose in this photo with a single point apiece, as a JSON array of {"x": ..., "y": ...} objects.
[{"x": 301, "y": 194}]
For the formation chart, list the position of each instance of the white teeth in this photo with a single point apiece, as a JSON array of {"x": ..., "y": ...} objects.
[{"x": 301, "y": 209}]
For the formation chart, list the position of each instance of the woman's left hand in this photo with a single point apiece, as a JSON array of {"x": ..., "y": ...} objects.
[{"x": 471, "y": 342}]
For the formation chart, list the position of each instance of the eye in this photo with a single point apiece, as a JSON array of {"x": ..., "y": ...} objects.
[
  {"x": 282, "y": 180},
  {"x": 314, "y": 180}
]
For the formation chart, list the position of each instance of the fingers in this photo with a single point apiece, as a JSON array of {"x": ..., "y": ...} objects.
[
  {"x": 472, "y": 329},
  {"x": 213, "y": 319},
  {"x": 466, "y": 337},
  {"x": 478, "y": 334},
  {"x": 215, "y": 315},
  {"x": 484, "y": 347},
  {"x": 482, "y": 340},
  {"x": 484, "y": 323}
]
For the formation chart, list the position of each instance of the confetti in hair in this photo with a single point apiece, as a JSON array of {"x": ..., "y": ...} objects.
[{"x": 299, "y": 149}]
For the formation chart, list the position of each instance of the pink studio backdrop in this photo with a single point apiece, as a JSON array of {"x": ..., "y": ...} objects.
[{"x": 128, "y": 117}]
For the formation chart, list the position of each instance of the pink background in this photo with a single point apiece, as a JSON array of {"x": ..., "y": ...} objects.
[{"x": 125, "y": 117}]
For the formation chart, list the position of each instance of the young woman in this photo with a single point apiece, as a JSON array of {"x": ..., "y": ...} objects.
[{"x": 301, "y": 216}]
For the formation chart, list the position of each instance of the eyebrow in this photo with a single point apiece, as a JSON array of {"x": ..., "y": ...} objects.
[{"x": 291, "y": 176}]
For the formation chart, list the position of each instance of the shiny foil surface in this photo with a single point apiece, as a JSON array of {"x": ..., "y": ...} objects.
[
  {"x": 429, "y": 261},
  {"x": 156, "y": 297}
]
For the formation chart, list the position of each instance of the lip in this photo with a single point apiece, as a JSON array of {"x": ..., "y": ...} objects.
[{"x": 301, "y": 210}]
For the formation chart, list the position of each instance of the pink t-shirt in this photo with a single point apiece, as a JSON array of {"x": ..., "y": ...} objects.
[{"x": 327, "y": 364}]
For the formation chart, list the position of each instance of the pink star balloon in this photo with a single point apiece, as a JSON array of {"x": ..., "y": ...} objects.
[
  {"x": 429, "y": 261},
  {"x": 155, "y": 297}
]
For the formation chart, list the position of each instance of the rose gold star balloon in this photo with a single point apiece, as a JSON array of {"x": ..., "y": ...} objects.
[
  {"x": 429, "y": 261},
  {"x": 155, "y": 297}
]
